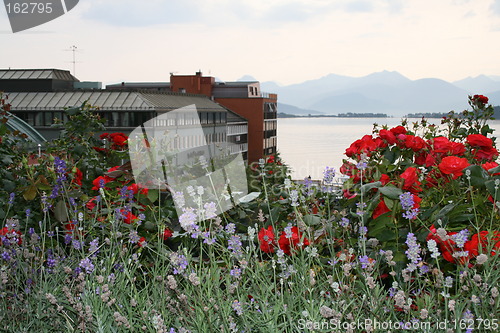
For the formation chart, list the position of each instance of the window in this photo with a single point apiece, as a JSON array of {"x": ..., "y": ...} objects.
[{"x": 48, "y": 118}]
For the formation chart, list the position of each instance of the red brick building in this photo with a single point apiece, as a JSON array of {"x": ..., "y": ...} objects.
[{"x": 244, "y": 98}]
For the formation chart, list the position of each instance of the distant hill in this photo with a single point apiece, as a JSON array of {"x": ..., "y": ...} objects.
[
  {"x": 481, "y": 84},
  {"x": 290, "y": 109},
  {"x": 381, "y": 92}
]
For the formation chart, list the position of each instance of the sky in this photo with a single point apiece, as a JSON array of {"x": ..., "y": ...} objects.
[{"x": 286, "y": 41}]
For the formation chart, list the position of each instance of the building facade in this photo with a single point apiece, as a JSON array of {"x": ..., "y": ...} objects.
[
  {"x": 245, "y": 99},
  {"x": 125, "y": 110}
]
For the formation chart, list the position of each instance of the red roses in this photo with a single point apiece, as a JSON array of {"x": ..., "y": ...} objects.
[
  {"x": 452, "y": 165},
  {"x": 117, "y": 140},
  {"x": 479, "y": 99},
  {"x": 287, "y": 243},
  {"x": 266, "y": 240},
  {"x": 478, "y": 244},
  {"x": 482, "y": 147}
]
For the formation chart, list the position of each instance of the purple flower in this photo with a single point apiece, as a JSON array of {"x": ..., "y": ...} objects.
[
  {"x": 361, "y": 206},
  {"x": 59, "y": 165},
  {"x": 362, "y": 165},
  {"x": 207, "y": 239},
  {"x": 68, "y": 239},
  {"x": 179, "y": 262},
  {"x": 11, "y": 198},
  {"x": 133, "y": 237},
  {"x": 188, "y": 220},
  {"x": 365, "y": 261},
  {"x": 87, "y": 265},
  {"x": 413, "y": 252},
  {"x": 461, "y": 237},
  {"x": 5, "y": 256},
  {"x": 210, "y": 210},
  {"x": 230, "y": 228},
  {"x": 406, "y": 200},
  {"x": 51, "y": 260},
  {"x": 94, "y": 246},
  {"x": 234, "y": 244},
  {"x": 77, "y": 245},
  {"x": 344, "y": 222},
  {"x": 407, "y": 203},
  {"x": 237, "y": 307},
  {"x": 328, "y": 175},
  {"x": 236, "y": 272}
]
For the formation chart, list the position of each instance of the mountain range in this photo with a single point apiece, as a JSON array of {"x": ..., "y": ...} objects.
[{"x": 381, "y": 92}]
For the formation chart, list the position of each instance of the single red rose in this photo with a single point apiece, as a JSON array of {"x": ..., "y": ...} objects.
[
  {"x": 414, "y": 143},
  {"x": 347, "y": 168},
  {"x": 119, "y": 139},
  {"x": 388, "y": 136},
  {"x": 69, "y": 227},
  {"x": 384, "y": 179},
  {"x": 270, "y": 159},
  {"x": 364, "y": 145},
  {"x": 398, "y": 130},
  {"x": 287, "y": 244},
  {"x": 142, "y": 241},
  {"x": 490, "y": 165},
  {"x": 347, "y": 194},
  {"x": 135, "y": 188},
  {"x": 441, "y": 144},
  {"x": 420, "y": 158},
  {"x": 432, "y": 234},
  {"x": 457, "y": 148},
  {"x": 430, "y": 160},
  {"x": 78, "y": 176},
  {"x": 266, "y": 239},
  {"x": 479, "y": 140},
  {"x": 104, "y": 136},
  {"x": 485, "y": 153},
  {"x": 452, "y": 165},
  {"x": 410, "y": 180},
  {"x": 380, "y": 209},
  {"x": 479, "y": 243},
  {"x": 129, "y": 218},
  {"x": 167, "y": 233},
  {"x": 91, "y": 203}
]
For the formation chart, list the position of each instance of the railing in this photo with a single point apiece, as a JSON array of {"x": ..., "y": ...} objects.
[{"x": 268, "y": 95}]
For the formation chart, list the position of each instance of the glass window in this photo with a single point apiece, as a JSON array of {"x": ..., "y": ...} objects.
[
  {"x": 38, "y": 119},
  {"x": 47, "y": 115}
]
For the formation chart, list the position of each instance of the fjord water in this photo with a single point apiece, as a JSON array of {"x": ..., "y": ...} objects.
[{"x": 308, "y": 145}]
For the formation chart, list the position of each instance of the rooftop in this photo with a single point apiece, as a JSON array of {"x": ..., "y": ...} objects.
[
  {"x": 36, "y": 74},
  {"x": 109, "y": 100}
]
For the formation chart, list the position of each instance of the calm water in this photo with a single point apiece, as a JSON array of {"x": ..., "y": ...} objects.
[{"x": 307, "y": 145}]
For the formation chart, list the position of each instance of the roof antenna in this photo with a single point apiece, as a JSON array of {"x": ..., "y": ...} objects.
[{"x": 73, "y": 49}]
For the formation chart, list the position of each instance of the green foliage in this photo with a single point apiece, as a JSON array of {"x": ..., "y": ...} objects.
[{"x": 107, "y": 254}]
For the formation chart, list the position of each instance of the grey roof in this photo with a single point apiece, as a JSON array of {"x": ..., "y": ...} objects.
[
  {"x": 109, "y": 100},
  {"x": 36, "y": 74},
  {"x": 165, "y": 101},
  {"x": 16, "y": 124},
  {"x": 139, "y": 85},
  {"x": 236, "y": 83}
]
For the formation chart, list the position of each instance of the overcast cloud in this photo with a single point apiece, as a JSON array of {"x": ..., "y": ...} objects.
[{"x": 287, "y": 41}]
